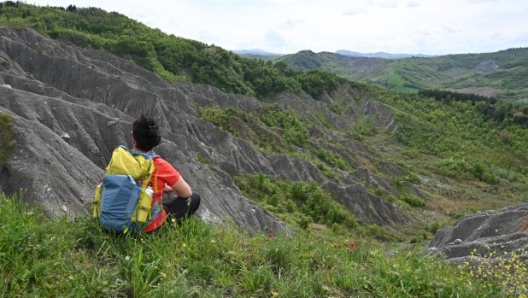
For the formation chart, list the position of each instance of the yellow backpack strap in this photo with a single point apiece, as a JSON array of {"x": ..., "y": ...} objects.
[{"x": 155, "y": 183}]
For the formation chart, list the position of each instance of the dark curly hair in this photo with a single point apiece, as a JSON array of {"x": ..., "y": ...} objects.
[{"x": 145, "y": 131}]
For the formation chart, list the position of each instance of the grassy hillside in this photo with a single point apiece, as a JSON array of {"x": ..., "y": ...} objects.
[
  {"x": 49, "y": 257},
  {"x": 500, "y": 74}
]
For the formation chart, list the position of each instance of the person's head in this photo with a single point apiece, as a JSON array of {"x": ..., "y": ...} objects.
[{"x": 145, "y": 132}]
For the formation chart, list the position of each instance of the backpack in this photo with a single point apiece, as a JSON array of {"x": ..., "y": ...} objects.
[{"x": 123, "y": 200}]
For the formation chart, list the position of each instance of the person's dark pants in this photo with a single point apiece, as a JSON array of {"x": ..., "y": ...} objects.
[{"x": 179, "y": 208}]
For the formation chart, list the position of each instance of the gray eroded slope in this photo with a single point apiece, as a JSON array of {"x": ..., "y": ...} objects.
[{"x": 72, "y": 107}]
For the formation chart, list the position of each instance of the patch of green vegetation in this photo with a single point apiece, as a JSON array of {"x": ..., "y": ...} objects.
[
  {"x": 296, "y": 203},
  {"x": 455, "y": 130},
  {"x": 204, "y": 159},
  {"x": 337, "y": 108},
  {"x": 289, "y": 126},
  {"x": 276, "y": 131},
  {"x": 52, "y": 257},
  {"x": 412, "y": 200},
  {"x": 461, "y": 168},
  {"x": 363, "y": 128},
  {"x": 7, "y": 139},
  {"x": 223, "y": 118},
  {"x": 331, "y": 158}
]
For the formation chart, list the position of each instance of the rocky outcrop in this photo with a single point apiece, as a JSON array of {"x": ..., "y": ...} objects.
[
  {"x": 71, "y": 107},
  {"x": 490, "y": 234},
  {"x": 486, "y": 67}
]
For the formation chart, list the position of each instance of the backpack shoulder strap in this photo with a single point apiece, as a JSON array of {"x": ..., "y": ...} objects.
[
  {"x": 151, "y": 155},
  {"x": 148, "y": 155}
]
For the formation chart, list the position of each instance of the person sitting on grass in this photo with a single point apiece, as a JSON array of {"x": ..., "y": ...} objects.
[{"x": 184, "y": 203}]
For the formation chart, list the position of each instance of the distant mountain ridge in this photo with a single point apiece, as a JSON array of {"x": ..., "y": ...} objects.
[
  {"x": 255, "y": 52},
  {"x": 379, "y": 55},
  {"x": 499, "y": 74},
  {"x": 258, "y": 53}
]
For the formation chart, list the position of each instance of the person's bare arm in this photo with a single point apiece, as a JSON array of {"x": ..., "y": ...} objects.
[{"x": 182, "y": 188}]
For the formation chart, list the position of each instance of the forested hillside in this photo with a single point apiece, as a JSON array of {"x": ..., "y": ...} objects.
[
  {"x": 500, "y": 74},
  {"x": 173, "y": 58}
]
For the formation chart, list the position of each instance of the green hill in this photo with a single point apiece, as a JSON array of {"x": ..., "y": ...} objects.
[{"x": 500, "y": 74}]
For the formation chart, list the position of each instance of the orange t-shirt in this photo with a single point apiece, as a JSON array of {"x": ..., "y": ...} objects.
[{"x": 164, "y": 173}]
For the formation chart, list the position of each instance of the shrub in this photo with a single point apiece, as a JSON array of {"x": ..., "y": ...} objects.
[
  {"x": 300, "y": 199},
  {"x": 7, "y": 139},
  {"x": 331, "y": 158},
  {"x": 304, "y": 222},
  {"x": 365, "y": 127},
  {"x": 412, "y": 200},
  {"x": 434, "y": 227}
]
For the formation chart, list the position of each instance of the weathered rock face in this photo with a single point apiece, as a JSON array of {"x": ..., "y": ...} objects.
[
  {"x": 72, "y": 107},
  {"x": 478, "y": 235},
  {"x": 486, "y": 67}
]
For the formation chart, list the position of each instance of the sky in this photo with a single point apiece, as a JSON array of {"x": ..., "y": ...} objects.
[{"x": 430, "y": 27}]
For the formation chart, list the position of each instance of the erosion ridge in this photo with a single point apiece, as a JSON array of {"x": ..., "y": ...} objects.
[{"x": 491, "y": 235}]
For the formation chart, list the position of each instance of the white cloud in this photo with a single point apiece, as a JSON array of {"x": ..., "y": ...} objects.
[
  {"x": 287, "y": 26},
  {"x": 448, "y": 29},
  {"x": 355, "y": 11},
  {"x": 413, "y": 4},
  {"x": 382, "y": 3},
  {"x": 275, "y": 40},
  {"x": 521, "y": 38},
  {"x": 480, "y": 1}
]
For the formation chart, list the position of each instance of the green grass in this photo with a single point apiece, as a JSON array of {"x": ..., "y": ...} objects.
[{"x": 51, "y": 257}]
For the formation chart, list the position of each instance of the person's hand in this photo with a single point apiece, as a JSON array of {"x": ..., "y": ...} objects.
[{"x": 167, "y": 188}]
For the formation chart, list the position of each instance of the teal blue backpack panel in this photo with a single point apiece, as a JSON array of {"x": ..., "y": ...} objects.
[{"x": 119, "y": 198}]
